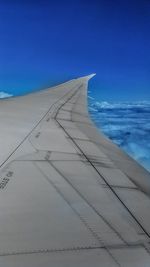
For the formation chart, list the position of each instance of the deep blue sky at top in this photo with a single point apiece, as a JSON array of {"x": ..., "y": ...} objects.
[{"x": 46, "y": 42}]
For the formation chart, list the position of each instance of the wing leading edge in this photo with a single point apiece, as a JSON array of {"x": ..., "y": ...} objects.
[{"x": 68, "y": 196}]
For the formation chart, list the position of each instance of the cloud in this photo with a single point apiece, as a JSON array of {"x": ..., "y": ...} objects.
[
  {"x": 90, "y": 97},
  {"x": 127, "y": 124},
  {"x": 120, "y": 105},
  {"x": 4, "y": 95}
]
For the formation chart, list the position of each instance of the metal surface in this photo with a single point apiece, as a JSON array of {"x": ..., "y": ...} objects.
[{"x": 68, "y": 196}]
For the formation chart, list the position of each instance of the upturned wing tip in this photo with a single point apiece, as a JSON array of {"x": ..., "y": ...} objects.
[{"x": 88, "y": 77}]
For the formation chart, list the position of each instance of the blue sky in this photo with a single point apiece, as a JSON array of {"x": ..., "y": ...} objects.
[{"x": 46, "y": 42}]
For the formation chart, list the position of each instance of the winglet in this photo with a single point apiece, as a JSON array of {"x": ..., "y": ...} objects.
[{"x": 88, "y": 77}]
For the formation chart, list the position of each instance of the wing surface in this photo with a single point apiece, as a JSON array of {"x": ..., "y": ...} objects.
[{"x": 68, "y": 196}]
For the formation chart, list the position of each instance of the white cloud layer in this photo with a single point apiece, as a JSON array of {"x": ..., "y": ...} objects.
[
  {"x": 4, "y": 95},
  {"x": 127, "y": 124}
]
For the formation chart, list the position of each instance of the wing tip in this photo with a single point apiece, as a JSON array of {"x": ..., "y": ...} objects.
[{"x": 88, "y": 77}]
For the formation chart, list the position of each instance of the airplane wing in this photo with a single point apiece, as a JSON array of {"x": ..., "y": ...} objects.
[{"x": 68, "y": 196}]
